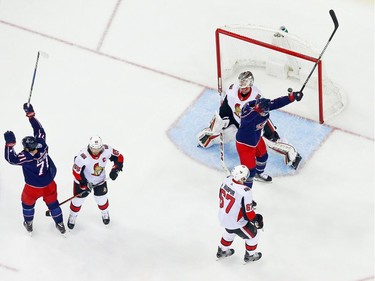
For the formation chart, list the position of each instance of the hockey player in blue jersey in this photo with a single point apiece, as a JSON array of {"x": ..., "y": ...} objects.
[
  {"x": 250, "y": 145},
  {"x": 38, "y": 169}
]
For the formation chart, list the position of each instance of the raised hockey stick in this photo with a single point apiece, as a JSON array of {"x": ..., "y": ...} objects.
[
  {"x": 48, "y": 212},
  {"x": 336, "y": 23},
  {"x": 45, "y": 55}
]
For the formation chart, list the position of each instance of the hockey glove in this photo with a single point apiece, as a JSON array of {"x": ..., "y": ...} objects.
[
  {"x": 115, "y": 170},
  {"x": 29, "y": 110},
  {"x": 10, "y": 139},
  {"x": 298, "y": 95},
  {"x": 258, "y": 221},
  {"x": 85, "y": 186},
  {"x": 114, "y": 174},
  {"x": 295, "y": 96}
]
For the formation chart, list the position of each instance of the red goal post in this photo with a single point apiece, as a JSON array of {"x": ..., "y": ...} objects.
[{"x": 281, "y": 54}]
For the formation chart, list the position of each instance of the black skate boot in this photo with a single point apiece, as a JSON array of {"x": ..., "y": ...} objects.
[
  {"x": 296, "y": 161},
  {"x": 256, "y": 256},
  {"x": 28, "y": 225},
  {"x": 61, "y": 227},
  {"x": 223, "y": 254}
]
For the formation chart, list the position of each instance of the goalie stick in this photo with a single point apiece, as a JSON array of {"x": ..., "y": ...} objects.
[
  {"x": 45, "y": 55},
  {"x": 336, "y": 23},
  {"x": 225, "y": 168}
]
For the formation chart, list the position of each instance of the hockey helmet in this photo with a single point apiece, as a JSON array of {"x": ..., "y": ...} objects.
[
  {"x": 240, "y": 173},
  {"x": 262, "y": 106},
  {"x": 30, "y": 143},
  {"x": 245, "y": 79},
  {"x": 96, "y": 144}
]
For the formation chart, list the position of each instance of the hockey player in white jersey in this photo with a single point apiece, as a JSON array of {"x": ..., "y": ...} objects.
[
  {"x": 228, "y": 120},
  {"x": 90, "y": 175},
  {"x": 237, "y": 216}
]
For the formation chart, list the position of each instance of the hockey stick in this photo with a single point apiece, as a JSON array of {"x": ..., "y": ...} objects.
[
  {"x": 45, "y": 55},
  {"x": 225, "y": 168},
  {"x": 336, "y": 23},
  {"x": 48, "y": 212}
]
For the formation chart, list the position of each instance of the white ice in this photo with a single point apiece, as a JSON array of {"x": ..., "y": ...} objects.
[{"x": 127, "y": 70}]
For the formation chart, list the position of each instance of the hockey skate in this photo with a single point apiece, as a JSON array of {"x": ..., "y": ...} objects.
[
  {"x": 61, "y": 227},
  {"x": 263, "y": 177},
  {"x": 71, "y": 221},
  {"x": 223, "y": 254},
  {"x": 105, "y": 217},
  {"x": 256, "y": 256},
  {"x": 296, "y": 161},
  {"x": 28, "y": 225}
]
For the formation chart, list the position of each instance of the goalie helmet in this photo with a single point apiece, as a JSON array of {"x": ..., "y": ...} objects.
[
  {"x": 96, "y": 144},
  {"x": 30, "y": 143},
  {"x": 245, "y": 79},
  {"x": 240, "y": 173}
]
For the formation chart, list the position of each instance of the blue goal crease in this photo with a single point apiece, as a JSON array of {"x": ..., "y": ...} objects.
[{"x": 305, "y": 135}]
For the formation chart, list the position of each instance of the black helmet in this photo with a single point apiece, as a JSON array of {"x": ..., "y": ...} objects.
[
  {"x": 262, "y": 106},
  {"x": 29, "y": 142}
]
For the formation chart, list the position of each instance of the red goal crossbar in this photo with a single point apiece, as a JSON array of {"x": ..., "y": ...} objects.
[{"x": 223, "y": 32}]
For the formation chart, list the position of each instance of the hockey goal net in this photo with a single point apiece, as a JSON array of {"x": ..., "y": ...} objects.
[{"x": 274, "y": 56}]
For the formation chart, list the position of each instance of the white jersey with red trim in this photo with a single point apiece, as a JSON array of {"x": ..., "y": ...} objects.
[
  {"x": 93, "y": 166},
  {"x": 236, "y": 101},
  {"x": 235, "y": 199}
]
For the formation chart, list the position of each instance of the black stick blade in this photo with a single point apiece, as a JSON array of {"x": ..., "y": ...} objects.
[
  {"x": 48, "y": 214},
  {"x": 334, "y": 18}
]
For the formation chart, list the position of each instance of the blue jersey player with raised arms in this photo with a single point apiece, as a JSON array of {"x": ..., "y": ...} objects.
[{"x": 38, "y": 169}]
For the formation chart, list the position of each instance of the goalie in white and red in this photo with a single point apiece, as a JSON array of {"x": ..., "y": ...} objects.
[{"x": 228, "y": 120}]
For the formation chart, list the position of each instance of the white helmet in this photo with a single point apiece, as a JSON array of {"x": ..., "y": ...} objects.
[
  {"x": 245, "y": 79},
  {"x": 96, "y": 144},
  {"x": 240, "y": 173}
]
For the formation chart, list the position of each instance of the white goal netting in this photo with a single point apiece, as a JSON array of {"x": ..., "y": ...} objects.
[{"x": 277, "y": 58}]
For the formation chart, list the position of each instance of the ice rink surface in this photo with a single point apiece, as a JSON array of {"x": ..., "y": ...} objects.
[{"x": 129, "y": 71}]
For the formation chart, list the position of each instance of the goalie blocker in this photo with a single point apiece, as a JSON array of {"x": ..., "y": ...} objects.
[{"x": 211, "y": 136}]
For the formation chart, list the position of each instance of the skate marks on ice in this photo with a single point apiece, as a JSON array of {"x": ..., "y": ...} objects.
[
  {"x": 8, "y": 268},
  {"x": 305, "y": 135}
]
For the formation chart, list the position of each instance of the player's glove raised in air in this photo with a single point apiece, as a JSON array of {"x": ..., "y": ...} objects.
[
  {"x": 258, "y": 221},
  {"x": 298, "y": 96},
  {"x": 294, "y": 95},
  {"x": 115, "y": 170},
  {"x": 10, "y": 139},
  {"x": 29, "y": 110}
]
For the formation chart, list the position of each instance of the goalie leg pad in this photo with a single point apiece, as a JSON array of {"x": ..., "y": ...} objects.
[
  {"x": 206, "y": 138},
  {"x": 291, "y": 156},
  {"x": 210, "y": 136}
]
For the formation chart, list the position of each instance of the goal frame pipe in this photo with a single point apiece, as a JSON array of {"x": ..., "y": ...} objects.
[{"x": 272, "y": 47}]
